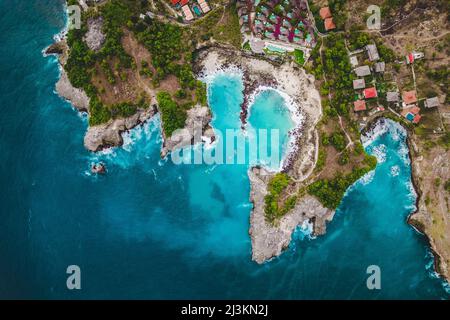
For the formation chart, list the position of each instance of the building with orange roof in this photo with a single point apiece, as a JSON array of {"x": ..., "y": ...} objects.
[
  {"x": 409, "y": 97},
  {"x": 359, "y": 105},
  {"x": 329, "y": 24},
  {"x": 325, "y": 13}
]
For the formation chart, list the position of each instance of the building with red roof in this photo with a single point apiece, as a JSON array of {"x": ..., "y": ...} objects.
[
  {"x": 360, "y": 105},
  {"x": 417, "y": 118},
  {"x": 325, "y": 13},
  {"x": 329, "y": 24},
  {"x": 370, "y": 93},
  {"x": 184, "y": 2},
  {"x": 409, "y": 97},
  {"x": 174, "y": 2}
]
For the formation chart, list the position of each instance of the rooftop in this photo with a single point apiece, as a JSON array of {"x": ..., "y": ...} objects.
[
  {"x": 380, "y": 67},
  {"x": 409, "y": 97},
  {"x": 372, "y": 51},
  {"x": 329, "y": 24},
  {"x": 362, "y": 71},
  {"x": 359, "y": 105},
  {"x": 187, "y": 13},
  {"x": 392, "y": 96},
  {"x": 432, "y": 102},
  {"x": 325, "y": 13},
  {"x": 370, "y": 93},
  {"x": 359, "y": 84}
]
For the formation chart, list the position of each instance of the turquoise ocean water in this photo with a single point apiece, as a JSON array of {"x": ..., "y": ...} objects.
[{"x": 151, "y": 229}]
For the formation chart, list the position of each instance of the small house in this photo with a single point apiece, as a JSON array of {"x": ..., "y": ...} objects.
[
  {"x": 372, "y": 51},
  {"x": 432, "y": 102},
  {"x": 329, "y": 24},
  {"x": 325, "y": 13},
  {"x": 380, "y": 67},
  {"x": 359, "y": 105},
  {"x": 370, "y": 93},
  {"x": 359, "y": 84},
  {"x": 362, "y": 71},
  {"x": 409, "y": 97},
  {"x": 392, "y": 96}
]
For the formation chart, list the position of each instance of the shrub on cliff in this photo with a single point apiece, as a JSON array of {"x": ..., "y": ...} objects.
[
  {"x": 276, "y": 186},
  {"x": 173, "y": 116}
]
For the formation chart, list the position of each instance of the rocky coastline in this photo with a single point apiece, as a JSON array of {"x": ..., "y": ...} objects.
[
  {"x": 420, "y": 219},
  {"x": 269, "y": 241},
  {"x": 109, "y": 134}
]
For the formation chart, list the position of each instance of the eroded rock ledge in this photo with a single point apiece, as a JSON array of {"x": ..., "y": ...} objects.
[{"x": 269, "y": 240}]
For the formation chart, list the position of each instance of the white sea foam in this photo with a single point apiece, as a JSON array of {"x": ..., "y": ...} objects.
[
  {"x": 380, "y": 152},
  {"x": 395, "y": 171},
  {"x": 208, "y": 77},
  {"x": 305, "y": 230},
  {"x": 367, "y": 178},
  {"x": 403, "y": 153},
  {"x": 382, "y": 127}
]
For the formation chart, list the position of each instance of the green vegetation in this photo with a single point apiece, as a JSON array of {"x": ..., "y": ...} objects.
[
  {"x": 321, "y": 159},
  {"x": 164, "y": 42},
  {"x": 340, "y": 78},
  {"x": 447, "y": 186},
  {"x": 330, "y": 191},
  {"x": 337, "y": 139},
  {"x": 441, "y": 76},
  {"x": 344, "y": 158},
  {"x": 276, "y": 187},
  {"x": 173, "y": 116},
  {"x": 222, "y": 24},
  {"x": 445, "y": 140},
  {"x": 299, "y": 57}
]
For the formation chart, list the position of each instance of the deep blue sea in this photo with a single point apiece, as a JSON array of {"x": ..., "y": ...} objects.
[{"x": 152, "y": 229}]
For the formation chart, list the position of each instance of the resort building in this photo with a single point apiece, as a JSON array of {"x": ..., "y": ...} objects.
[
  {"x": 409, "y": 97},
  {"x": 362, "y": 71},
  {"x": 370, "y": 93},
  {"x": 432, "y": 102},
  {"x": 359, "y": 84},
  {"x": 204, "y": 6},
  {"x": 372, "y": 51},
  {"x": 359, "y": 105},
  {"x": 187, "y": 13}
]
